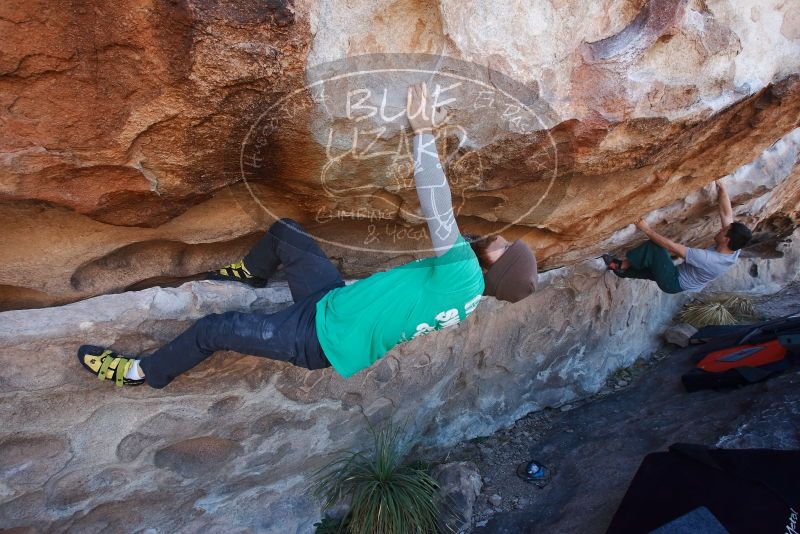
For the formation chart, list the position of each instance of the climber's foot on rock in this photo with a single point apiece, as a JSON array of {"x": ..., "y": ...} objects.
[
  {"x": 236, "y": 272},
  {"x": 106, "y": 364},
  {"x": 616, "y": 265},
  {"x": 612, "y": 263}
]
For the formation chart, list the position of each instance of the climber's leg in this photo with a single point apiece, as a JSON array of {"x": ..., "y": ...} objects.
[
  {"x": 289, "y": 335},
  {"x": 665, "y": 273},
  {"x": 652, "y": 262},
  {"x": 287, "y": 243},
  {"x": 630, "y": 272}
]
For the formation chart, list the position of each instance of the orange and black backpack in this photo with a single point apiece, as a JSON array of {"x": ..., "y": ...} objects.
[{"x": 729, "y": 356}]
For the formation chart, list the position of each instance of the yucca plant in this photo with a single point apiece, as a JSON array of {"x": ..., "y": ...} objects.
[
  {"x": 718, "y": 309},
  {"x": 740, "y": 307},
  {"x": 386, "y": 496},
  {"x": 699, "y": 314}
]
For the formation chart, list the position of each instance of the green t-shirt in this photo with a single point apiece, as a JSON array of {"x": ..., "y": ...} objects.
[{"x": 359, "y": 323}]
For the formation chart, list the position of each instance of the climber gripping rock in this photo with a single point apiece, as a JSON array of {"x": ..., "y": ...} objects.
[
  {"x": 347, "y": 327},
  {"x": 652, "y": 261}
]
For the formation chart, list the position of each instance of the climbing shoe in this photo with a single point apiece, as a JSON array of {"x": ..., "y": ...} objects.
[
  {"x": 611, "y": 261},
  {"x": 238, "y": 273},
  {"x": 106, "y": 364},
  {"x": 613, "y": 264}
]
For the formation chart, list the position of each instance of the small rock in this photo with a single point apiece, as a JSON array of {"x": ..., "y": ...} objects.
[
  {"x": 482, "y": 523},
  {"x": 460, "y": 487},
  {"x": 495, "y": 500},
  {"x": 679, "y": 334},
  {"x": 623, "y": 383},
  {"x": 566, "y": 408}
]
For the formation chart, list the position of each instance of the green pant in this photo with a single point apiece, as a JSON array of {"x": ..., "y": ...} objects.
[{"x": 652, "y": 262}]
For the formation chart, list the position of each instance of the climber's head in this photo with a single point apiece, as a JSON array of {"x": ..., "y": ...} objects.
[
  {"x": 509, "y": 267},
  {"x": 734, "y": 236}
]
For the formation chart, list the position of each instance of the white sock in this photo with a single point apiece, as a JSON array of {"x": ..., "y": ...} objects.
[{"x": 134, "y": 372}]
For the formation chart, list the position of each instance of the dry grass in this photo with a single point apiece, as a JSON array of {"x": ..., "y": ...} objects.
[
  {"x": 740, "y": 307},
  {"x": 718, "y": 309}
]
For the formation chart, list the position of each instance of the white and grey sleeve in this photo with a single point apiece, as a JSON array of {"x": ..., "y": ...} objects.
[{"x": 434, "y": 194}]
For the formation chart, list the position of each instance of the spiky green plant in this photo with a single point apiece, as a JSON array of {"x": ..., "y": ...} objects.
[{"x": 386, "y": 496}]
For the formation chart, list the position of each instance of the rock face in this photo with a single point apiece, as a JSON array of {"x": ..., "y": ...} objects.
[
  {"x": 147, "y": 141},
  {"x": 231, "y": 445},
  {"x": 126, "y": 128}
]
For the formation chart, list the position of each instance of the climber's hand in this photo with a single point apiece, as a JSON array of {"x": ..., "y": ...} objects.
[
  {"x": 419, "y": 109},
  {"x": 642, "y": 225}
]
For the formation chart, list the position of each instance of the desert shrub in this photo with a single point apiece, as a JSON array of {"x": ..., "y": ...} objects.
[
  {"x": 385, "y": 494},
  {"x": 718, "y": 309}
]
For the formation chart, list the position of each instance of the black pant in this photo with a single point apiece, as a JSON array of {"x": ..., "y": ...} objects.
[{"x": 289, "y": 335}]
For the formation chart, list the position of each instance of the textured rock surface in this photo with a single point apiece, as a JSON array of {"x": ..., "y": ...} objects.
[
  {"x": 679, "y": 334},
  {"x": 125, "y": 128},
  {"x": 123, "y": 125},
  {"x": 231, "y": 444},
  {"x": 460, "y": 485}
]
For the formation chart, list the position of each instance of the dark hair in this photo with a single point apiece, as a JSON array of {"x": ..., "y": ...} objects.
[
  {"x": 479, "y": 245},
  {"x": 738, "y": 235}
]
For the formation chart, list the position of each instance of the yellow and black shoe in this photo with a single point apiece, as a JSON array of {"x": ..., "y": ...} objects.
[
  {"x": 238, "y": 273},
  {"x": 106, "y": 364}
]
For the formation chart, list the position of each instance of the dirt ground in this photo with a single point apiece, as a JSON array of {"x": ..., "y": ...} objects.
[{"x": 594, "y": 446}]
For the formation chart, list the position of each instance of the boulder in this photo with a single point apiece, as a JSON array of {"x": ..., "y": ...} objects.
[
  {"x": 233, "y": 444},
  {"x": 145, "y": 142},
  {"x": 160, "y": 147}
]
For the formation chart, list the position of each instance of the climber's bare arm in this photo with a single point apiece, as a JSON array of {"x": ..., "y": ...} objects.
[
  {"x": 724, "y": 201},
  {"x": 660, "y": 240},
  {"x": 432, "y": 187}
]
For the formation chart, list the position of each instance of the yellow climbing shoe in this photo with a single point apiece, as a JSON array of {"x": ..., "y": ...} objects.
[
  {"x": 238, "y": 273},
  {"x": 106, "y": 364}
]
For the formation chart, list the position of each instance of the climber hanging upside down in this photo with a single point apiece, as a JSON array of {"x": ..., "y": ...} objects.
[
  {"x": 329, "y": 323},
  {"x": 651, "y": 260}
]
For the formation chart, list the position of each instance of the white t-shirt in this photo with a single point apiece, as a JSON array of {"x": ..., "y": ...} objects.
[{"x": 701, "y": 266}]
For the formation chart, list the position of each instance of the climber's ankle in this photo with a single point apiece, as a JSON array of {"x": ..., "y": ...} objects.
[{"x": 134, "y": 371}]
